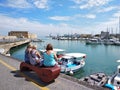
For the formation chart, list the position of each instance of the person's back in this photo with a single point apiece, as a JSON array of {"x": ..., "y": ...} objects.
[
  {"x": 32, "y": 58},
  {"x": 49, "y": 56},
  {"x": 49, "y": 59}
]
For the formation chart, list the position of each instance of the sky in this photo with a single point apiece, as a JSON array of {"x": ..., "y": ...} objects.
[{"x": 58, "y": 17}]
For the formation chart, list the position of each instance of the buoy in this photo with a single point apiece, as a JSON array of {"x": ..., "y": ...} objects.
[{"x": 71, "y": 72}]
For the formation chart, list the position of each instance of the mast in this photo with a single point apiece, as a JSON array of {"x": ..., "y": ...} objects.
[
  {"x": 119, "y": 24},
  {"x": 119, "y": 28}
]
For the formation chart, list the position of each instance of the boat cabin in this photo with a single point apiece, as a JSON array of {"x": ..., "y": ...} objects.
[
  {"x": 66, "y": 60},
  {"x": 72, "y": 58}
]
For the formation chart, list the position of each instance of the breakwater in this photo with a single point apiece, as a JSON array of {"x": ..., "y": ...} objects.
[{"x": 7, "y": 46}]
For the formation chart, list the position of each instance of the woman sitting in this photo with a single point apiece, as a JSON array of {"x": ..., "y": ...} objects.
[
  {"x": 27, "y": 53},
  {"x": 35, "y": 57},
  {"x": 50, "y": 57}
]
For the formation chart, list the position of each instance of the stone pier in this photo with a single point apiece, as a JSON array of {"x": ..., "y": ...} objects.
[{"x": 8, "y": 46}]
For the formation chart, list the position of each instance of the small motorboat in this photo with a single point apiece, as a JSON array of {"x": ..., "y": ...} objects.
[
  {"x": 71, "y": 62},
  {"x": 98, "y": 79}
]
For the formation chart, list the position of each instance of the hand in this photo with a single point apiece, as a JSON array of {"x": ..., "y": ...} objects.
[{"x": 38, "y": 61}]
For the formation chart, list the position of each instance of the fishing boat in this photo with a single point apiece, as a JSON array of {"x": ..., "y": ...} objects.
[
  {"x": 71, "y": 62},
  {"x": 98, "y": 79},
  {"x": 114, "y": 80}
]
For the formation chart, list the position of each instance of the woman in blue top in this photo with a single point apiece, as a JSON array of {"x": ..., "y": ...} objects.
[{"x": 50, "y": 57}]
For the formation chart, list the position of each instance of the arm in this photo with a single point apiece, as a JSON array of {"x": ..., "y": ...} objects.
[
  {"x": 38, "y": 54},
  {"x": 55, "y": 56}
]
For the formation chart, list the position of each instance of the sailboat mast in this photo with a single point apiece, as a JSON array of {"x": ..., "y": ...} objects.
[
  {"x": 119, "y": 28},
  {"x": 119, "y": 24}
]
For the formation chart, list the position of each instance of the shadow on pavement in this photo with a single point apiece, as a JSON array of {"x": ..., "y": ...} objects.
[{"x": 30, "y": 76}]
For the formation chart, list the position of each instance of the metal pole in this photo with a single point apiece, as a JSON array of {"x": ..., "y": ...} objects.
[
  {"x": 119, "y": 28},
  {"x": 119, "y": 24}
]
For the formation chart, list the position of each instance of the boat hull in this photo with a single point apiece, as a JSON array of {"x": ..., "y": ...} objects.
[{"x": 73, "y": 67}]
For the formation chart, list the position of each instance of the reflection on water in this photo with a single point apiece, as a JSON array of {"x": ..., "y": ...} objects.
[{"x": 100, "y": 58}]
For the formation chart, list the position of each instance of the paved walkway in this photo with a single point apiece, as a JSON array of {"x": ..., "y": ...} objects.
[{"x": 12, "y": 79}]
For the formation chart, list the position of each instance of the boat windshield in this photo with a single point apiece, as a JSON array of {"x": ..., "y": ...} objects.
[{"x": 64, "y": 60}]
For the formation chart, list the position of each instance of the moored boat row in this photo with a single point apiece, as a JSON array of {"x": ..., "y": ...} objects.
[{"x": 96, "y": 41}]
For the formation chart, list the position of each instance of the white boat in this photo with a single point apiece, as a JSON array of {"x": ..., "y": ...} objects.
[
  {"x": 109, "y": 42},
  {"x": 71, "y": 62},
  {"x": 93, "y": 41},
  {"x": 114, "y": 80},
  {"x": 117, "y": 43}
]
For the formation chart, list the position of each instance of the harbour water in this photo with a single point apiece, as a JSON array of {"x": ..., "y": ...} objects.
[{"x": 100, "y": 58}]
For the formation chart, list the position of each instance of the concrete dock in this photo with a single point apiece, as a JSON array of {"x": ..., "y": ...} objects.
[
  {"x": 8, "y": 46},
  {"x": 12, "y": 79}
]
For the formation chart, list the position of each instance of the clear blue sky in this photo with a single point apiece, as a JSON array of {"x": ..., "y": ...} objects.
[{"x": 59, "y": 16}]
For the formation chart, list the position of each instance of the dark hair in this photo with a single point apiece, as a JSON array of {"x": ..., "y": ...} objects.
[{"x": 49, "y": 47}]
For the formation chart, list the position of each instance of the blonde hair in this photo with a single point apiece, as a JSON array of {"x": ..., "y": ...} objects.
[
  {"x": 29, "y": 46},
  {"x": 34, "y": 46}
]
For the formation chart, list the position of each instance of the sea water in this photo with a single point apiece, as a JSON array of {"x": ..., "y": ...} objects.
[{"x": 100, "y": 58}]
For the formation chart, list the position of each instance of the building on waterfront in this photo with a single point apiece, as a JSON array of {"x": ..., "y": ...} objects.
[
  {"x": 22, "y": 34},
  {"x": 86, "y": 35},
  {"x": 32, "y": 36}
]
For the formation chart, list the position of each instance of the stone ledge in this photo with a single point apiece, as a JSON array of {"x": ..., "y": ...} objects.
[{"x": 82, "y": 83}]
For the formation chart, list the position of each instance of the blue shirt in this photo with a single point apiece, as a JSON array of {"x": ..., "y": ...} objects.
[
  {"x": 49, "y": 59},
  {"x": 27, "y": 58}
]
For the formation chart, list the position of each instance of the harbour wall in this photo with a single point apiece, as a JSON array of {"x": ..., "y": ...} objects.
[{"x": 7, "y": 46}]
